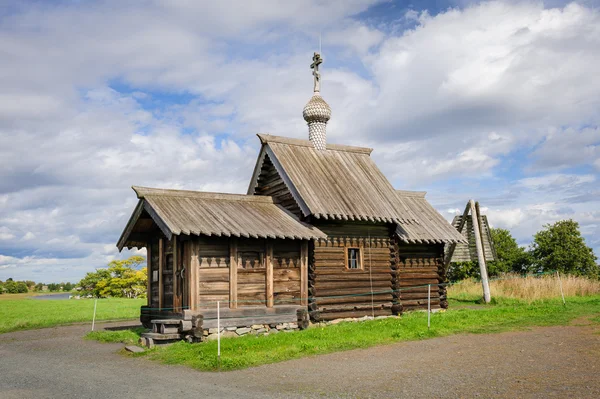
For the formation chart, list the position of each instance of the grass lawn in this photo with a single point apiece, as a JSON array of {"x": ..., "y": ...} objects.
[
  {"x": 19, "y": 312},
  {"x": 248, "y": 351}
]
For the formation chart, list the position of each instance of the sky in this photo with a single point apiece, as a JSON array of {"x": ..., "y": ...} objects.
[{"x": 495, "y": 101}]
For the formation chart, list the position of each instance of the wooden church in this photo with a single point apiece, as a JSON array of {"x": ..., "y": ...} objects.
[{"x": 321, "y": 233}]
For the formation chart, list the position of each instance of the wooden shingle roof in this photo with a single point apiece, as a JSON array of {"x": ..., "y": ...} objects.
[
  {"x": 178, "y": 212},
  {"x": 340, "y": 183},
  {"x": 431, "y": 227},
  {"x": 467, "y": 251}
]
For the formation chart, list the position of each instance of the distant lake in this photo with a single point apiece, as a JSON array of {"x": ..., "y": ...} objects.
[{"x": 53, "y": 296}]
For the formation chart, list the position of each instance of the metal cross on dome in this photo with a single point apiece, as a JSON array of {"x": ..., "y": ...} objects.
[{"x": 317, "y": 60}]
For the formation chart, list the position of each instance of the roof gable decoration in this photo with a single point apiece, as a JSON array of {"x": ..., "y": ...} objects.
[{"x": 178, "y": 212}]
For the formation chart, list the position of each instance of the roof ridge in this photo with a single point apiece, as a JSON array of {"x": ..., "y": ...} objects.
[
  {"x": 143, "y": 192},
  {"x": 268, "y": 138}
]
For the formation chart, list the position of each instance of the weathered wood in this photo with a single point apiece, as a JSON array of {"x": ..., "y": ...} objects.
[
  {"x": 304, "y": 273},
  {"x": 161, "y": 261},
  {"x": 176, "y": 299},
  {"x": 354, "y": 314},
  {"x": 452, "y": 246},
  {"x": 365, "y": 284},
  {"x": 194, "y": 275},
  {"x": 149, "y": 274},
  {"x": 186, "y": 281},
  {"x": 185, "y": 325},
  {"x": 480, "y": 253},
  {"x": 165, "y": 329},
  {"x": 354, "y": 299},
  {"x": 269, "y": 274},
  {"x": 160, "y": 336}
]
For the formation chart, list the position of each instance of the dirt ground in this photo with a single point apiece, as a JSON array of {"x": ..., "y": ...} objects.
[{"x": 538, "y": 363}]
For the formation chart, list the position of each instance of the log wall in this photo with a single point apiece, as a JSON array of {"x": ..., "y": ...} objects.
[
  {"x": 418, "y": 266},
  {"x": 336, "y": 291}
]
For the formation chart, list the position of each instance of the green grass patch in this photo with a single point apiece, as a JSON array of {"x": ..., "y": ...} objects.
[
  {"x": 249, "y": 351},
  {"x": 28, "y": 313},
  {"x": 125, "y": 336}
]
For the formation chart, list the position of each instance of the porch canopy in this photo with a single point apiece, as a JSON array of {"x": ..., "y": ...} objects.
[{"x": 181, "y": 212}]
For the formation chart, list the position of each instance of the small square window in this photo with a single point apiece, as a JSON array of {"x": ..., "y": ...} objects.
[{"x": 354, "y": 258}]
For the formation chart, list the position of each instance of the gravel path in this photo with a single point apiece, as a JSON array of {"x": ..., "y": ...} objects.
[{"x": 542, "y": 362}]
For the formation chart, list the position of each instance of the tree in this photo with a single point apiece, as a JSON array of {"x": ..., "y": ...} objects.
[
  {"x": 124, "y": 280},
  {"x": 89, "y": 283},
  {"x": 121, "y": 279},
  {"x": 39, "y": 287},
  {"x": 67, "y": 286},
  {"x": 15, "y": 287},
  {"x": 561, "y": 247},
  {"x": 510, "y": 256}
]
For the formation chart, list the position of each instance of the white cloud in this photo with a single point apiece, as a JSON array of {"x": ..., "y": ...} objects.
[{"x": 173, "y": 93}]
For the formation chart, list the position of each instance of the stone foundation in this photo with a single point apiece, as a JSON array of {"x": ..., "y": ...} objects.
[{"x": 256, "y": 329}]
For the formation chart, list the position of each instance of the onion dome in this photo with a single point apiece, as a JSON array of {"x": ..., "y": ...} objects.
[{"x": 316, "y": 110}]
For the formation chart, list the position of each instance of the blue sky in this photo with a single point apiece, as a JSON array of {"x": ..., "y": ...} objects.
[{"x": 496, "y": 101}]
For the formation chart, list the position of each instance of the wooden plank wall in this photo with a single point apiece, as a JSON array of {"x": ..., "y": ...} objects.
[
  {"x": 213, "y": 271},
  {"x": 329, "y": 278},
  {"x": 419, "y": 265},
  {"x": 251, "y": 276},
  {"x": 286, "y": 272}
]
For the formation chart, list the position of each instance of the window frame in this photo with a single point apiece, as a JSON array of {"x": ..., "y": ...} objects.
[{"x": 360, "y": 258}]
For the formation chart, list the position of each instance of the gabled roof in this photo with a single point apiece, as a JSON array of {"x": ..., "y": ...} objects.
[
  {"x": 432, "y": 227},
  {"x": 178, "y": 212},
  {"x": 340, "y": 183},
  {"x": 467, "y": 251}
]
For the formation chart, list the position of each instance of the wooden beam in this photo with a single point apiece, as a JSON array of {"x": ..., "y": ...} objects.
[
  {"x": 161, "y": 261},
  {"x": 194, "y": 274},
  {"x": 480, "y": 254},
  {"x": 269, "y": 274},
  {"x": 149, "y": 272},
  {"x": 187, "y": 267},
  {"x": 233, "y": 272},
  {"x": 176, "y": 301},
  {"x": 304, "y": 273}
]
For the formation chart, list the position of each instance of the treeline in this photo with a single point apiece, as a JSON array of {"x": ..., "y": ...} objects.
[
  {"x": 557, "y": 247},
  {"x": 122, "y": 279},
  {"x": 18, "y": 287}
]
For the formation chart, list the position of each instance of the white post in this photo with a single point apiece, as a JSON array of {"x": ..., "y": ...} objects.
[
  {"x": 480, "y": 253},
  {"x": 428, "y": 306},
  {"x": 219, "y": 334},
  {"x": 561, "y": 289},
  {"x": 94, "y": 318}
]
